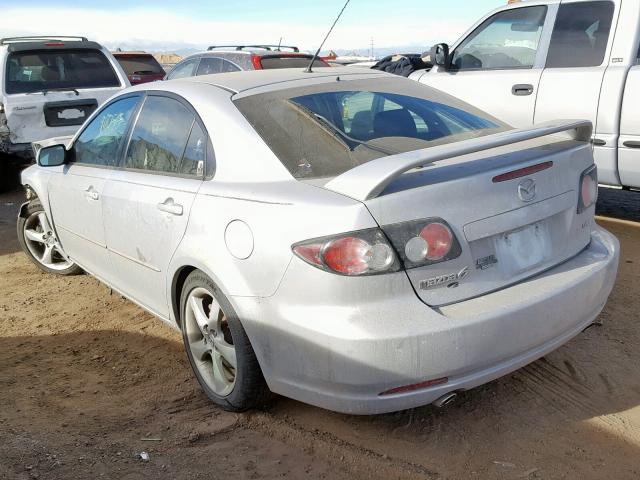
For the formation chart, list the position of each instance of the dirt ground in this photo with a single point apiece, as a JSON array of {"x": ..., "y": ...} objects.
[{"x": 88, "y": 381}]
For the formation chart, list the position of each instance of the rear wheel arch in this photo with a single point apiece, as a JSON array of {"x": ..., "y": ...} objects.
[{"x": 177, "y": 284}]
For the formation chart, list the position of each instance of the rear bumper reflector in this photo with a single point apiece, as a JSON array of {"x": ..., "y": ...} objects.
[
  {"x": 522, "y": 172},
  {"x": 415, "y": 386}
]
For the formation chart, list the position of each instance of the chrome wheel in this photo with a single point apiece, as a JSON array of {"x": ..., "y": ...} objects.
[
  {"x": 43, "y": 244},
  {"x": 209, "y": 341}
]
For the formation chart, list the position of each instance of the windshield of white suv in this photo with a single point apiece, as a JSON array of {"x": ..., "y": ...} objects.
[
  {"x": 325, "y": 130},
  {"x": 38, "y": 70}
]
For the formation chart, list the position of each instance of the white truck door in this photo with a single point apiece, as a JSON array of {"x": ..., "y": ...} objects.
[
  {"x": 629, "y": 142},
  {"x": 497, "y": 67},
  {"x": 575, "y": 67}
]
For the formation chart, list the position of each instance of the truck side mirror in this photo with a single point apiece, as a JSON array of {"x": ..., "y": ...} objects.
[
  {"x": 440, "y": 55},
  {"x": 52, "y": 156}
]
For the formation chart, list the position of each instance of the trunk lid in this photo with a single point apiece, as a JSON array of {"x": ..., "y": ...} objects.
[{"x": 506, "y": 233}]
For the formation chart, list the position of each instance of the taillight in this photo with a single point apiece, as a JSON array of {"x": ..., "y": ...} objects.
[
  {"x": 588, "y": 188},
  {"x": 423, "y": 242},
  {"x": 256, "y": 61},
  {"x": 366, "y": 252}
]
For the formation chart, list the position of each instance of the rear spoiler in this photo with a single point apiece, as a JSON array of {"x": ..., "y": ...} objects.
[{"x": 368, "y": 180}]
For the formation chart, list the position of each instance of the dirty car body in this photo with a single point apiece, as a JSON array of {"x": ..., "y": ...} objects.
[{"x": 384, "y": 245}]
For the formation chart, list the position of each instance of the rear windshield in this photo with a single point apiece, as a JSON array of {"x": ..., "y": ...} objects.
[
  {"x": 325, "y": 130},
  {"x": 139, "y": 64},
  {"x": 33, "y": 71},
  {"x": 271, "y": 62}
]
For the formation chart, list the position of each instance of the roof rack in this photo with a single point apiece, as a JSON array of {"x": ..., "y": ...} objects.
[
  {"x": 4, "y": 41},
  {"x": 276, "y": 48}
]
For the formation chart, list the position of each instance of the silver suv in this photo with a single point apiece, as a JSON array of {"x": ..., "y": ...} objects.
[
  {"x": 233, "y": 58},
  {"x": 48, "y": 87}
]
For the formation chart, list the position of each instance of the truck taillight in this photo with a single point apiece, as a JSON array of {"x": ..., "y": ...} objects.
[
  {"x": 588, "y": 188},
  {"x": 365, "y": 252}
]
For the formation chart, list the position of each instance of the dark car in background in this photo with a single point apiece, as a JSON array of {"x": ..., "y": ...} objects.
[
  {"x": 140, "y": 67},
  {"x": 232, "y": 58}
]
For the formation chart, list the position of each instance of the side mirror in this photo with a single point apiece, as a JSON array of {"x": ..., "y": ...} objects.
[
  {"x": 440, "y": 55},
  {"x": 52, "y": 156}
]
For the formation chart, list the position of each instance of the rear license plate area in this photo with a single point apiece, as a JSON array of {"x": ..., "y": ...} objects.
[
  {"x": 523, "y": 249},
  {"x": 68, "y": 113}
]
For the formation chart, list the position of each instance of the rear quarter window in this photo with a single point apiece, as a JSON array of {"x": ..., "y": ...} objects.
[{"x": 38, "y": 70}]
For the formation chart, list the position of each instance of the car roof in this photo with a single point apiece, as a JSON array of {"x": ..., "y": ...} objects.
[{"x": 246, "y": 80}]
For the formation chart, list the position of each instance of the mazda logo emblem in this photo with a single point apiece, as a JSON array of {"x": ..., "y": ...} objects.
[{"x": 527, "y": 190}]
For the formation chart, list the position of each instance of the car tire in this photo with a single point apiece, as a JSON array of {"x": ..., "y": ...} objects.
[
  {"x": 38, "y": 241},
  {"x": 210, "y": 330}
]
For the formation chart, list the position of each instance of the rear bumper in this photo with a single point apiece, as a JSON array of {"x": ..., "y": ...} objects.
[{"x": 338, "y": 348}]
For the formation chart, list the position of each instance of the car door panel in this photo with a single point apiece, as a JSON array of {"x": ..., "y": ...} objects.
[
  {"x": 147, "y": 201},
  {"x": 629, "y": 142},
  {"x": 76, "y": 209},
  {"x": 145, "y": 217},
  {"x": 576, "y": 68},
  {"x": 75, "y": 195}
]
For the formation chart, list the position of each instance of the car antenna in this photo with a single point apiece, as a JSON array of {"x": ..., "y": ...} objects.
[
  {"x": 308, "y": 69},
  {"x": 279, "y": 43}
]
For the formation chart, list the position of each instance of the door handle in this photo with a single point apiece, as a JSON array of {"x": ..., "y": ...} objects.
[
  {"x": 169, "y": 206},
  {"x": 522, "y": 89},
  {"x": 631, "y": 144},
  {"x": 91, "y": 194}
]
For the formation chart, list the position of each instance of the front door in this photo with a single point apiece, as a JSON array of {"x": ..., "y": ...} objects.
[
  {"x": 497, "y": 67},
  {"x": 76, "y": 194},
  {"x": 147, "y": 202}
]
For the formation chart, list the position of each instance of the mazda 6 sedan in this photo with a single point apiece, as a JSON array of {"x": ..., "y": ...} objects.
[{"x": 354, "y": 240}]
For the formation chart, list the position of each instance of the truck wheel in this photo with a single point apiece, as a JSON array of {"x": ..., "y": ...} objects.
[
  {"x": 39, "y": 242},
  {"x": 218, "y": 348}
]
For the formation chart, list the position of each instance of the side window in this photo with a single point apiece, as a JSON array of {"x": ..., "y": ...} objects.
[
  {"x": 580, "y": 35},
  {"x": 508, "y": 39},
  {"x": 160, "y": 136},
  {"x": 194, "y": 153},
  {"x": 183, "y": 70},
  {"x": 229, "y": 67},
  {"x": 209, "y": 65},
  {"x": 100, "y": 142}
]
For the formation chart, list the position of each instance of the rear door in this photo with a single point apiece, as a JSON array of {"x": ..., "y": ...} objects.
[
  {"x": 52, "y": 91},
  {"x": 497, "y": 67},
  {"x": 574, "y": 71},
  {"x": 76, "y": 193},
  {"x": 629, "y": 142},
  {"x": 147, "y": 202}
]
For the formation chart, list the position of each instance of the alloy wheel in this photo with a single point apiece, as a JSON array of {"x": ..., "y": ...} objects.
[
  {"x": 43, "y": 243},
  {"x": 210, "y": 342}
]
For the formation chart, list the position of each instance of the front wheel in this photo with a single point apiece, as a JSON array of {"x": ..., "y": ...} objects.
[
  {"x": 40, "y": 243},
  {"x": 218, "y": 348}
]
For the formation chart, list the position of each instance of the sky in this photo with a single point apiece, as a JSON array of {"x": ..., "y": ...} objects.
[{"x": 169, "y": 25}]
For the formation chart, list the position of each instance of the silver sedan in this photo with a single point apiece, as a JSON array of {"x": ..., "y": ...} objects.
[{"x": 353, "y": 240}]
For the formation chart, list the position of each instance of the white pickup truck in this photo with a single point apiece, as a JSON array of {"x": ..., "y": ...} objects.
[{"x": 533, "y": 61}]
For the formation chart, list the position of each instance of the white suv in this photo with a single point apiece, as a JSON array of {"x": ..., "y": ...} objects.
[{"x": 48, "y": 87}]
